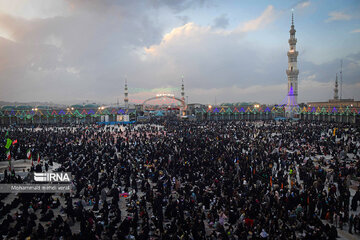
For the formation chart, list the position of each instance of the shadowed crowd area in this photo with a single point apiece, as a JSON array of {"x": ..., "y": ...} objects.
[{"x": 187, "y": 180}]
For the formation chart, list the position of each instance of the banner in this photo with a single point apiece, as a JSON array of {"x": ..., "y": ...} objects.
[{"x": 8, "y": 143}]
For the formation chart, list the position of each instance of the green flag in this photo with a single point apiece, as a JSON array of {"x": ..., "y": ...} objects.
[{"x": 8, "y": 143}]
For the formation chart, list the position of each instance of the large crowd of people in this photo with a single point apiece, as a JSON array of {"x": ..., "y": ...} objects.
[{"x": 188, "y": 180}]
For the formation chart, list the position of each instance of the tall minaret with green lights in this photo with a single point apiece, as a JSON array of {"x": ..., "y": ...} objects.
[{"x": 292, "y": 71}]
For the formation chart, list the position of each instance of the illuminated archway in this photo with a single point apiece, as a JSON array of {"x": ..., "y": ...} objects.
[
  {"x": 164, "y": 96},
  {"x": 168, "y": 96}
]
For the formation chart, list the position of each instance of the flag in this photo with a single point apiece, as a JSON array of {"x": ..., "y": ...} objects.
[
  {"x": 38, "y": 158},
  {"x": 14, "y": 142},
  {"x": 8, "y": 143},
  {"x": 8, "y": 157},
  {"x": 124, "y": 194},
  {"x": 28, "y": 154},
  {"x": 271, "y": 181},
  {"x": 334, "y": 132}
]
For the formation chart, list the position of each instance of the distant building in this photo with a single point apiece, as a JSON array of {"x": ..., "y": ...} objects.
[
  {"x": 342, "y": 110},
  {"x": 193, "y": 107},
  {"x": 337, "y": 103}
]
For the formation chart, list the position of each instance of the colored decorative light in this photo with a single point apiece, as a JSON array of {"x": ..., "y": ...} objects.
[{"x": 61, "y": 112}]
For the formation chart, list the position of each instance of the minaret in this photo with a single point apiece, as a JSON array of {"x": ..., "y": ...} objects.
[
  {"x": 126, "y": 99},
  {"x": 182, "y": 89},
  {"x": 336, "y": 89},
  {"x": 292, "y": 72},
  {"x": 183, "y": 107}
]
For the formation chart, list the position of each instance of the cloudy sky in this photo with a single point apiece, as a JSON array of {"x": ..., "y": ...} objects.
[{"x": 70, "y": 51}]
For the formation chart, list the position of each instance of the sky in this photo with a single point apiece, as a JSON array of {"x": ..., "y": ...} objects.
[{"x": 74, "y": 51}]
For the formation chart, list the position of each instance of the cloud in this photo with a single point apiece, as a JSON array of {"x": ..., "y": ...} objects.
[
  {"x": 355, "y": 31},
  {"x": 34, "y": 9},
  {"x": 226, "y": 65},
  {"x": 303, "y": 4},
  {"x": 85, "y": 54},
  {"x": 73, "y": 56},
  {"x": 178, "y": 5},
  {"x": 326, "y": 72},
  {"x": 183, "y": 19},
  {"x": 310, "y": 89},
  {"x": 221, "y": 21},
  {"x": 211, "y": 58},
  {"x": 338, "y": 16},
  {"x": 265, "y": 18}
]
